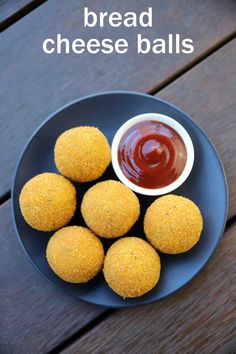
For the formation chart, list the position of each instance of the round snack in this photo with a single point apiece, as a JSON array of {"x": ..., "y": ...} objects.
[
  {"x": 82, "y": 154},
  {"x": 131, "y": 267},
  {"x": 110, "y": 209},
  {"x": 75, "y": 254},
  {"x": 173, "y": 224},
  {"x": 48, "y": 201}
]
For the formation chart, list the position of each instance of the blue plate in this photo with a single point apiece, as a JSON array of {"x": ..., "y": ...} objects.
[{"x": 206, "y": 186}]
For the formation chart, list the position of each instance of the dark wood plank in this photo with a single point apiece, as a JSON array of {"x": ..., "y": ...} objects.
[
  {"x": 213, "y": 111},
  {"x": 34, "y": 84},
  {"x": 198, "y": 319},
  {"x": 10, "y": 8},
  {"x": 40, "y": 300},
  {"x": 207, "y": 93},
  {"x": 34, "y": 316}
]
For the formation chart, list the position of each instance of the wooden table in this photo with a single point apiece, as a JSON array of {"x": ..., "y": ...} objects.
[{"x": 34, "y": 316}]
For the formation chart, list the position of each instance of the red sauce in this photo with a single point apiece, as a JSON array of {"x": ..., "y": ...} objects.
[{"x": 152, "y": 154}]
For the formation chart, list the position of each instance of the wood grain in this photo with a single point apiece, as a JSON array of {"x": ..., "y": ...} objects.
[
  {"x": 198, "y": 319},
  {"x": 9, "y": 9},
  {"x": 34, "y": 316},
  {"x": 207, "y": 93},
  {"x": 34, "y": 84}
]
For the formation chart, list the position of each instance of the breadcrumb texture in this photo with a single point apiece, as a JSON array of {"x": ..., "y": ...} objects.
[
  {"x": 48, "y": 201},
  {"x": 75, "y": 254},
  {"x": 173, "y": 224},
  {"x": 82, "y": 154},
  {"x": 110, "y": 209},
  {"x": 131, "y": 267}
]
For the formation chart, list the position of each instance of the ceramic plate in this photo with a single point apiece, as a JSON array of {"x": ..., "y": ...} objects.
[{"x": 206, "y": 186}]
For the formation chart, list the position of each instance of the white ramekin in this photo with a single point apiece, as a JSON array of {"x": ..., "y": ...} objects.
[{"x": 174, "y": 125}]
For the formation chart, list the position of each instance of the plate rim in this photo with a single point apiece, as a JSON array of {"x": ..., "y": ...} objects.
[{"x": 76, "y": 101}]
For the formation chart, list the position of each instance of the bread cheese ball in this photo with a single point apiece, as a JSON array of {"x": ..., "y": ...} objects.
[
  {"x": 131, "y": 267},
  {"x": 82, "y": 154},
  {"x": 48, "y": 201},
  {"x": 173, "y": 224},
  {"x": 110, "y": 209},
  {"x": 75, "y": 254}
]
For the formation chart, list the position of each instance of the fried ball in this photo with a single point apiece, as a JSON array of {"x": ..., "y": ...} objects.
[
  {"x": 48, "y": 201},
  {"x": 82, "y": 154},
  {"x": 110, "y": 209},
  {"x": 173, "y": 224},
  {"x": 131, "y": 267},
  {"x": 75, "y": 254}
]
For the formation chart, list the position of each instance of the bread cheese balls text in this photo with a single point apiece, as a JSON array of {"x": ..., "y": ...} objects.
[
  {"x": 131, "y": 267},
  {"x": 110, "y": 209},
  {"x": 48, "y": 201},
  {"x": 82, "y": 154},
  {"x": 75, "y": 254},
  {"x": 173, "y": 224}
]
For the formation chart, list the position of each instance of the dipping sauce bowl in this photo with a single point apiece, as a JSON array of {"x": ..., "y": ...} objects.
[{"x": 152, "y": 154}]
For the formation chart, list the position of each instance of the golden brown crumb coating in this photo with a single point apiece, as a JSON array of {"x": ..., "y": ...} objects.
[
  {"x": 131, "y": 267},
  {"x": 173, "y": 224},
  {"x": 82, "y": 154},
  {"x": 110, "y": 209},
  {"x": 75, "y": 254},
  {"x": 48, "y": 201}
]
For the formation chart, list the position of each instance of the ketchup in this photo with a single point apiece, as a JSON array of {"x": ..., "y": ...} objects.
[{"x": 151, "y": 154}]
